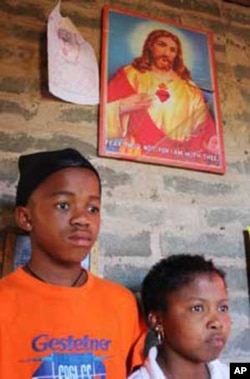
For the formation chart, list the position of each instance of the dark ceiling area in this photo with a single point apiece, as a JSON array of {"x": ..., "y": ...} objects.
[{"x": 245, "y": 3}]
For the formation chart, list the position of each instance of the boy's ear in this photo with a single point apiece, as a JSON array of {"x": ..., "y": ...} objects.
[{"x": 22, "y": 216}]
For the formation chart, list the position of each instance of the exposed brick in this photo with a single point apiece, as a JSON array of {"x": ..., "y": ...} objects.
[
  {"x": 128, "y": 275},
  {"x": 86, "y": 113},
  {"x": 205, "y": 243},
  {"x": 228, "y": 215},
  {"x": 207, "y": 6},
  {"x": 128, "y": 245},
  {"x": 113, "y": 178},
  {"x": 13, "y": 107},
  {"x": 194, "y": 186}
]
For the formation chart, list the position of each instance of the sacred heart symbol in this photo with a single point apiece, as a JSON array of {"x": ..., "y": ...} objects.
[{"x": 162, "y": 93}]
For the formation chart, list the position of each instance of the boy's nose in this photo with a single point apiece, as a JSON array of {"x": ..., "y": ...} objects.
[{"x": 80, "y": 218}]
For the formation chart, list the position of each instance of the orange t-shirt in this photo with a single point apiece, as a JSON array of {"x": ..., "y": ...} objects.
[{"x": 48, "y": 331}]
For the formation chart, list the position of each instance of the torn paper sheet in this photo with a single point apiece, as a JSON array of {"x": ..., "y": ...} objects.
[{"x": 72, "y": 64}]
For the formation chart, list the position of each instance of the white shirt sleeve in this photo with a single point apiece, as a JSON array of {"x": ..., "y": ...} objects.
[
  {"x": 151, "y": 369},
  {"x": 218, "y": 370}
]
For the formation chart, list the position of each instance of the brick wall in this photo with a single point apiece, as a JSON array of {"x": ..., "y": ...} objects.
[{"x": 148, "y": 211}]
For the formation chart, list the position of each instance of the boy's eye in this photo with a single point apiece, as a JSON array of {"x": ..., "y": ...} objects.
[
  {"x": 197, "y": 308},
  {"x": 93, "y": 209},
  {"x": 62, "y": 206}
]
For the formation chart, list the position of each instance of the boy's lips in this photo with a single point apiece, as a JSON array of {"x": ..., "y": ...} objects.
[{"x": 81, "y": 238}]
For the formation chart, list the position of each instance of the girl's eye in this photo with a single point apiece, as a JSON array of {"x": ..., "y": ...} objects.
[
  {"x": 62, "y": 206},
  {"x": 224, "y": 308},
  {"x": 197, "y": 308}
]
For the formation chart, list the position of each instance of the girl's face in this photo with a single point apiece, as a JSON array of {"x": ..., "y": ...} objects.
[{"x": 197, "y": 321}]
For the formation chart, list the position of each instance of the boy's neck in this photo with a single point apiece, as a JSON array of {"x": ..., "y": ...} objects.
[{"x": 75, "y": 278}]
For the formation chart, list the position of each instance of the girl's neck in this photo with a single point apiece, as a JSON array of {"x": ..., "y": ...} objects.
[{"x": 181, "y": 368}]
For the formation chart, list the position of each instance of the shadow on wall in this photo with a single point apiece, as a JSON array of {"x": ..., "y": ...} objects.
[
  {"x": 7, "y": 212},
  {"x": 247, "y": 252}
]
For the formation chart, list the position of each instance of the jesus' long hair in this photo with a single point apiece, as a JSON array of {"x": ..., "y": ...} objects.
[{"x": 143, "y": 63}]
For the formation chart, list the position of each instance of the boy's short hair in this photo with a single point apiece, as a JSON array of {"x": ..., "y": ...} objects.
[
  {"x": 35, "y": 168},
  {"x": 171, "y": 274}
]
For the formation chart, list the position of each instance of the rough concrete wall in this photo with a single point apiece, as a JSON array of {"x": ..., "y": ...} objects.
[{"x": 149, "y": 211}]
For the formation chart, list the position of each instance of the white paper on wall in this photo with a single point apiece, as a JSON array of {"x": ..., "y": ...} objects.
[{"x": 72, "y": 64}]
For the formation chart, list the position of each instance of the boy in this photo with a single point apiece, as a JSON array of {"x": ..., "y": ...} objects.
[
  {"x": 56, "y": 319},
  {"x": 186, "y": 305}
]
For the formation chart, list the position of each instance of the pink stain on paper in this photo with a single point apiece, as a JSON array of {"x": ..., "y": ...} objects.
[{"x": 72, "y": 63}]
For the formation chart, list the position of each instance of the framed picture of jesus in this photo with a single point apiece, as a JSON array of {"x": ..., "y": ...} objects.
[{"x": 159, "y": 94}]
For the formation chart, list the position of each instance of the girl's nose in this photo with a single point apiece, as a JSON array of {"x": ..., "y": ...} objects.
[{"x": 214, "y": 321}]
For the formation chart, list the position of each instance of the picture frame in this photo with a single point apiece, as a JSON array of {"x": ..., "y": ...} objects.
[
  {"x": 17, "y": 252},
  {"x": 159, "y": 109}
]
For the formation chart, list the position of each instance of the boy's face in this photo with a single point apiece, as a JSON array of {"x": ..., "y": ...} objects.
[
  {"x": 64, "y": 216},
  {"x": 197, "y": 322}
]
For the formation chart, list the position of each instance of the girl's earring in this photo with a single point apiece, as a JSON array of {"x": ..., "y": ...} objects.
[
  {"x": 159, "y": 334},
  {"x": 157, "y": 329}
]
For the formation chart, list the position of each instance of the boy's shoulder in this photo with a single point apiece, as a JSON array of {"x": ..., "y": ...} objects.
[
  {"x": 109, "y": 285},
  {"x": 7, "y": 280},
  {"x": 8, "y": 294}
]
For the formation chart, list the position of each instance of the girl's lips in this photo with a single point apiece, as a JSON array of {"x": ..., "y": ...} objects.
[{"x": 216, "y": 341}]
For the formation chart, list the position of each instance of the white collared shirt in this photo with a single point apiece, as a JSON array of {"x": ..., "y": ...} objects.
[{"x": 151, "y": 369}]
